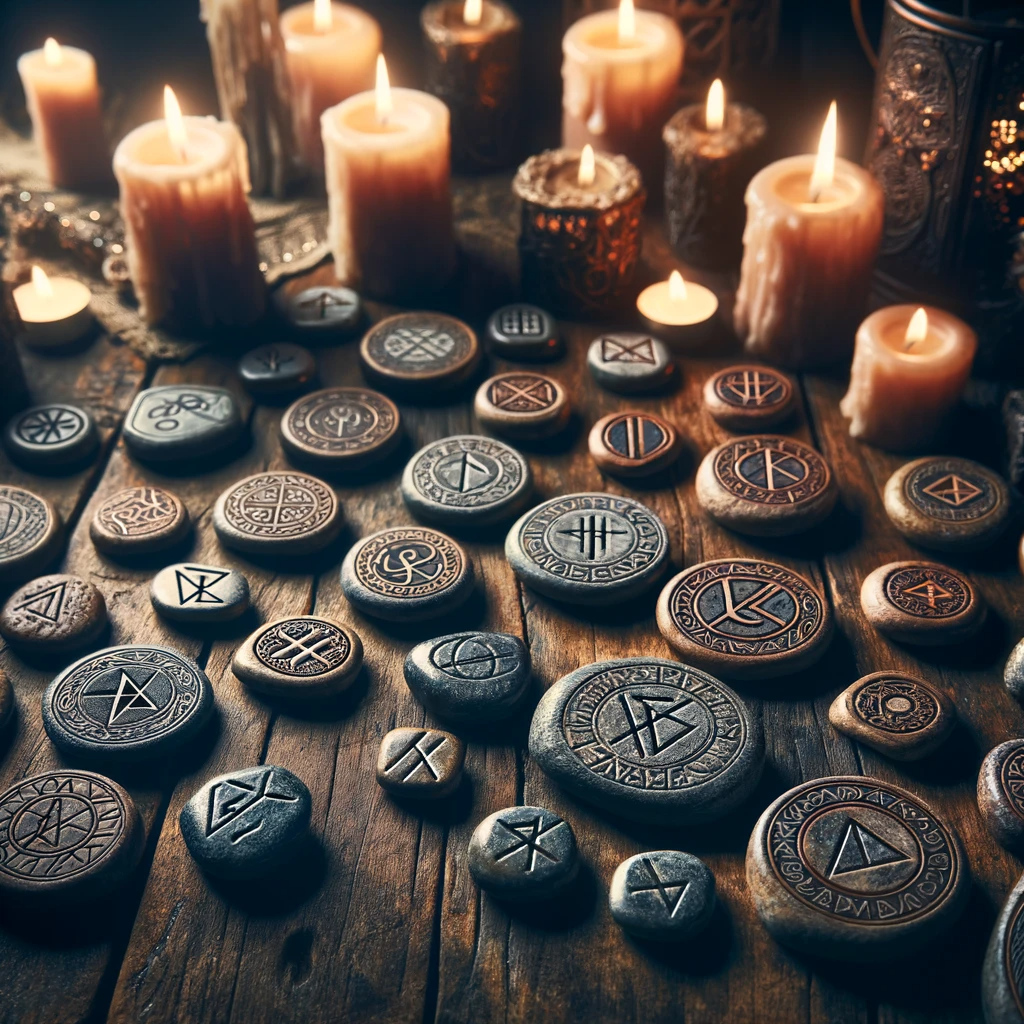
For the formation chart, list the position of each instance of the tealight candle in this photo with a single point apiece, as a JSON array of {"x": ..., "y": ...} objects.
[
  {"x": 909, "y": 370},
  {"x": 679, "y": 312},
  {"x": 53, "y": 310}
]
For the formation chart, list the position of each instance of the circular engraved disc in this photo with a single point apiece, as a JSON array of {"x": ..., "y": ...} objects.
[
  {"x": 139, "y": 520},
  {"x": 633, "y": 443},
  {"x": 1001, "y": 793},
  {"x": 30, "y": 532},
  {"x": 650, "y": 739},
  {"x": 277, "y": 513},
  {"x": 588, "y": 548},
  {"x": 466, "y": 478},
  {"x": 745, "y": 617},
  {"x": 179, "y": 421},
  {"x": 749, "y": 397},
  {"x": 522, "y": 404},
  {"x": 896, "y": 705},
  {"x": 854, "y": 866},
  {"x": 50, "y": 436},
  {"x": 341, "y": 427},
  {"x": 127, "y": 703}
]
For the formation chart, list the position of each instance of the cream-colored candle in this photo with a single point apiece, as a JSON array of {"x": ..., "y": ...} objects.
[
  {"x": 679, "y": 312},
  {"x": 909, "y": 370},
  {"x": 63, "y": 99},
  {"x": 813, "y": 228},
  {"x": 620, "y": 72},
  {"x": 331, "y": 50},
  {"x": 191, "y": 243},
  {"x": 387, "y": 158},
  {"x": 53, "y": 310}
]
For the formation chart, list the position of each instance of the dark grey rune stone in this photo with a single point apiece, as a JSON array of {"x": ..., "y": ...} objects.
[
  {"x": 193, "y": 592},
  {"x": 51, "y": 436},
  {"x": 665, "y": 895},
  {"x": 1001, "y": 793},
  {"x": 1002, "y": 976},
  {"x": 276, "y": 369},
  {"x": 630, "y": 363},
  {"x": 248, "y": 822},
  {"x": 182, "y": 421},
  {"x": 1013, "y": 673},
  {"x": 324, "y": 312},
  {"x": 522, "y": 331}
]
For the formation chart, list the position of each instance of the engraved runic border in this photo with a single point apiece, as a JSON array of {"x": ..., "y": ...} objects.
[
  {"x": 938, "y": 857},
  {"x": 298, "y": 418},
  {"x": 927, "y": 473},
  {"x": 813, "y": 484},
  {"x": 373, "y": 350},
  {"x": 1011, "y": 781},
  {"x": 31, "y": 524},
  {"x": 166, "y": 510},
  {"x": 900, "y": 580},
  {"x": 779, "y": 395},
  {"x": 453, "y": 562},
  {"x": 500, "y": 488},
  {"x": 323, "y": 496}
]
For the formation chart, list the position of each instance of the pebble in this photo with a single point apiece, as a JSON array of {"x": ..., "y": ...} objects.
[
  {"x": 31, "y": 533},
  {"x": 664, "y": 895},
  {"x": 177, "y": 422},
  {"x": 54, "y": 614},
  {"x": 196, "y": 593},
  {"x": 323, "y": 314},
  {"x": 1013, "y": 673},
  {"x": 749, "y": 397},
  {"x": 425, "y": 764},
  {"x": 629, "y": 363},
  {"x": 51, "y": 437},
  {"x": 522, "y": 331},
  {"x": 139, "y": 521},
  {"x": 633, "y": 443},
  {"x": 277, "y": 369},
  {"x": 1002, "y": 975},
  {"x": 1001, "y": 794},
  {"x": 522, "y": 405}
]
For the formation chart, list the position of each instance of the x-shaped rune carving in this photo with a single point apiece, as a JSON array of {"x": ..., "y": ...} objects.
[
  {"x": 522, "y": 393},
  {"x": 614, "y": 350},
  {"x": 528, "y": 836},
  {"x": 297, "y": 650},
  {"x": 421, "y": 747}
]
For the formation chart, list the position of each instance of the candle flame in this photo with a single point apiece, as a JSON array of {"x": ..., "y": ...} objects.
[
  {"x": 714, "y": 117},
  {"x": 472, "y": 12},
  {"x": 175, "y": 124},
  {"x": 52, "y": 53},
  {"x": 41, "y": 283},
  {"x": 588, "y": 169},
  {"x": 676, "y": 287},
  {"x": 385, "y": 105},
  {"x": 323, "y": 15},
  {"x": 627, "y": 21},
  {"x": 917, "y": 329},
  {"x": 825, "y": 162}
]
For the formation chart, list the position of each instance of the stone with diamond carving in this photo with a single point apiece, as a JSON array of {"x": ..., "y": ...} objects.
[
  {"x": 54, "y": 614},
  {"x": 1001, "y": 794},
  {"x": 522, "y": 331},
  {"x": 425, "y": 764},
  {"x": 629, "y": 363},
  {"x": 51, "y": 437},
  {"x": 192, "y": 592},
  {"x": 276, "y": 369}
]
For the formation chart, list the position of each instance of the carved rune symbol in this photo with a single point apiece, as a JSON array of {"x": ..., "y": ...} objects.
[
  {"x": 634, "y": 437},
  {"x": 953, "y": 490},
  {"x": 230, "y": 800},
  {"x": 528, "y": 840},
  {"x": 45, "y": 604},
  {"x": 752, "y": 387},
  {"x": 419, "y": 749},
  {"x": 521, "y": 323},
  {"x": 320, "y": 303},
  {"x": 273, "y": 360},
  {"x": 49, "y": 426},
  {"x": 167, "y": 414},
  {"x": 464, "y": 472},
  {"x": 771, "y": 469},
  {"x": 409, "y": 565},
  {"x": 860, "y": 848},
  {"x": 592, "y": 533},
  {"x": 129, "y": 696},
  {"x": 298, "y": 650},
  {"x": 138, "y": 511},
  {"x": 672, "y": 900},
  {"x": 643, "y": 717},
  {"x": 750, "y": 610},
  {"x": 420, "y": 345},
  {"x": 197, "y": 589},
  {"x": 63, "y": 821},
  {"x": 930, "y": 592},
  {"x": 522, "y": 394},
  {"x": 616, "y": 351}
]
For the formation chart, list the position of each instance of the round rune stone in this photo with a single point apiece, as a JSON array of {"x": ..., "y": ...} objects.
[
  {"x": 127, "y": 703},
  {"x": 406, "y": 573},
  {"x": 922, "y": 603},
  {"x": 522, "y": 331},
  {"x": 51, "y": 437},
  {"x": 139, "y": 521},
  {"x": 854, "y": 868},
  {"x": 1001, "y": 794},
  {"x": 176, "y": 422},
  {"x": 247, "y": 823},
  {"x": 300, "y": 656},
  {"x": 341, "y": 428},
  {"x": 323, "y": 312},
  {"x": 649, "y": 739},
  {"x": 633, "y": 443},
  {"x": 195, "y": 593},
  {"x": 54, "y": 615},
  {"x": 588, "y": 548},
  {"x": 749, "y": 397},
  {"x": 419, "y": 352},
  {"x": 466, "y": 479},
  {"x": 277, "y": 513},
  {"x": 1013, "y": 673},
  {"x": 745, "y": 618},
  {"x": 522, "y": 405},
  {"x": 895, "y": 714},
  {"x": 630, "y": 363},
  {"x": 30, "y": 533},
  {"x": 276, "y": 369},
  {"x": 425, "y": 764},
  {"x": 947, "y": 504},
  {"x": 470, "y": 677},
  {"x": 664, "y": 895},
  {"x": 1002, "y": 975},
  {"x": 766, "y": 486},
  {"x": 523, "y": 853},
  {"x": 66, "y": 837}
]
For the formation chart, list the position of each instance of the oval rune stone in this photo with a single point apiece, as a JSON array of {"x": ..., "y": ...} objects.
[
  {"x": 749, "y": 397},
  {"x": 182, "y": 421},
  {"x": 276, "y": 369},
  {"x": 745, "y": 617},
  {"x": 139, "y": 521},
  {"x": 323, "y": 311},
  {"x": 523, "y": 405},
  {"x": 51, "y": 436},
  {"x": 633, "y": 443},
  {"x": 422, "y": 763},
  {"x": 466, "y": 479},
  {"x": 65, "y": 837},
  {"x": 649, "y": 739},
  {"x": 54, "y": 614},
  {"x": 277, "y": 513},
  {"x": 1002, "y": 975},
  {"x": 630, "y": 363},
  {"x": 766, "y": 486},
  {"x": 522, "y": 331},
  {"x": 855, "y": 868},
  {"x": 406, "y": 573},
  {"x": 947, "y": 504},
  {"x": 588, "y": 548},
  {"x": 341, "y": 428},
  {"x": 1013, "y": 673},
  {"x": 248, "y": 822},
  {"x": 1001, "y": 793},
  {"x": 30, "y": 533},
  {"x": 127, "y": 703},
  {"x": 470, "y": 677},
  {"x": 896, "y": 714},
  {"x": 197, "y": 593}
]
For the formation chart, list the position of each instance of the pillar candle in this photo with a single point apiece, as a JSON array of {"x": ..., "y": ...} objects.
[
  {"x": 909, "y": 369},
  {"x": 64, "y": 103},
  {"x": 388, "y": 169},
  {"x": 814, "y": 224},
  {"x": 331, "y": 50},
  {"x": 190, "y": 238},
  {"x": 620, "y": 74}
]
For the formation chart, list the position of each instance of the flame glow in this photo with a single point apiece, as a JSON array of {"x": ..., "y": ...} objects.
[
  {"x": 917, "y": 329},
  {"x": 588, "y": 169},
  {"x": 627, "y": 21},
  {"x": 714, "y": 117},
  {"x": 825, "y": 162},
  {"x": 472, "y": 12},
  {"x": 175, "y": 124},
  {"x": 41, "y": 283},
  {"x": 52, "y": 53},
  {"x": 323, "y": 15},
  {"x": 385, "y": 105},
  {"x": 676, "y": 287}
]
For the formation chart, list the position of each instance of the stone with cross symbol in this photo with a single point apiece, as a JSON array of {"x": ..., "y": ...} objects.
[
  {"x": 523, "y": 332},
  {"x": 276, "y": 369},
  {"x": 629, "y": 363},
  {"x": 523, "y": 854},
  {"x": 192, "y": 592},
  {"x": 54, "y": 615},
  {"x": 425, "y": 764},
  {"x": 750, "y": 397},
  {"x": 51, "y": 438},
  {"x": 522, "y": 404},
  {"x": 663, "y": 895},
  {"x": 322, "y": 313},
  {"x": 922, "y": 603}
]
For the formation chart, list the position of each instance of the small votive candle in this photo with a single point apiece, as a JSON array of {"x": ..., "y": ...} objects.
[
  {"x": 910, "y": 366},
  {"x": 53, "y": 310},
  {"x": 679, "y": 312}
]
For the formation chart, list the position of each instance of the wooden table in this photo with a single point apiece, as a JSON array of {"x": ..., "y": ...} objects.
[{"x": 386, "y": 923}]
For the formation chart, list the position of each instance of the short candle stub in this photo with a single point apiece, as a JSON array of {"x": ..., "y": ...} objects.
[
  {"x": 681, "y": 313},
  {"x": 54, "y": 311}
]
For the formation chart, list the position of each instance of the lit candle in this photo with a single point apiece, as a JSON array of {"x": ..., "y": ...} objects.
[
  {"x": 712, "y": 153},
  {"x": 814, "y": 224},
  {"x": 191, "y": 243},
  {"x": 909, "y": 370},
  {"x": 64, "y": 102},
  {"x": 620, "y": 73},
  {"x": 389, "y": 190},
  {"x": 331, "y": 51},
  {"x": 677, "y": 311},
  {"x": 53, "y": 310}
]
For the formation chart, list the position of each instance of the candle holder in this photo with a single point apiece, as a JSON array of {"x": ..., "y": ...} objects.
[
  {"x": 578, "y": 248},
  {"x": 476, "y": 71}
]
